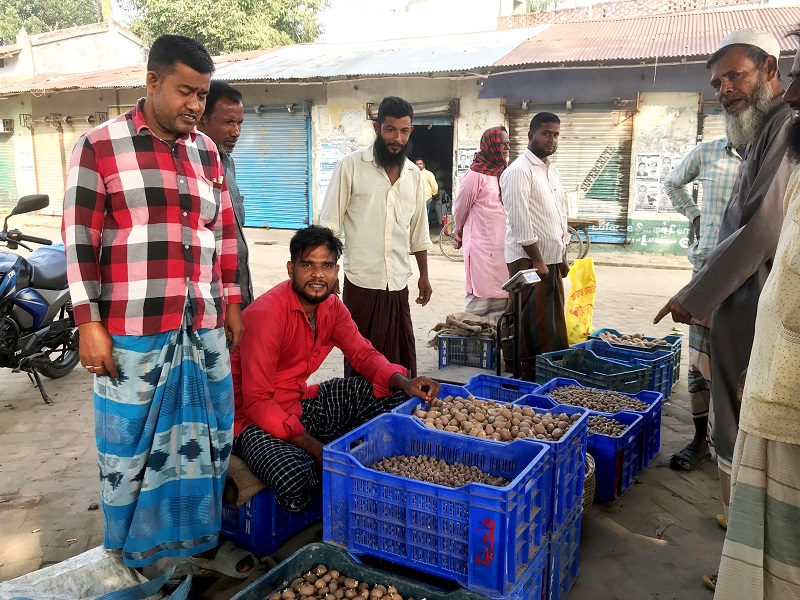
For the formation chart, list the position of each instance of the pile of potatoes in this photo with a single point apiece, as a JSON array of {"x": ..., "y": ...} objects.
[
  {"x": 323, "y": 584},
  {"x": 599, "y": 400},
  {"x": 606, "y": 426},
  {"x": 491, "y": 420},
  {"x": 425, "y": 468},
  {"x": 634, "y": 340}
]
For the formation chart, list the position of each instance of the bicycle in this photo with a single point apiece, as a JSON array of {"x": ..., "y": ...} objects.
[
  {"x": 447, "y": 241},
  {"x": 575, "y": 246}
]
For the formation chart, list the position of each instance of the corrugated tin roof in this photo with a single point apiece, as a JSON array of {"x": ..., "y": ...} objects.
[
  {"x": 663, "y": 36},
  {"x": 441, "y": 54}
]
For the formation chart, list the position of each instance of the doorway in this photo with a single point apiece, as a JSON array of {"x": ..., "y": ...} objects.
[{"x": 432, "y": 141}]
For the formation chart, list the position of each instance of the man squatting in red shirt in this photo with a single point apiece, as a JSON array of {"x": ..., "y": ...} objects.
[{"x": 281, "y": 423}]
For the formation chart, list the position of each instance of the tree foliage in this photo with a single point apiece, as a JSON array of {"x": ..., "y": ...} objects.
[
  {"x": 227, "y": 26},
  {"x": 38, "y": 16},
  {"x": 536, "y": 6}
]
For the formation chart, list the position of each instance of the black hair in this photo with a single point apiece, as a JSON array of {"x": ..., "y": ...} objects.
[
  {"x": 312, "y": 237},
  {"x": 221, "y": 89},
  {"x": 422, "y": 160},
  {"x": 394, "y": 107},
  {"x": 754, "y": 53},
  {"x": 541, "y": 118},
  {"x": 169, "y": 50}
]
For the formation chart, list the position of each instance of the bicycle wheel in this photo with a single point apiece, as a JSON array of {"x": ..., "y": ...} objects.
[
  {"x": 575, "y": 246},
  {"x": 447, "y": 243},
  {"x": 586, "y": 242}
]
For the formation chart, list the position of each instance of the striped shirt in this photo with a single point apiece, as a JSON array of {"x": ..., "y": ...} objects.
[
  {"x": 146, "y": 224},
  {"x": 715, "y": 164},
  {"x": 536, "y": 210}
]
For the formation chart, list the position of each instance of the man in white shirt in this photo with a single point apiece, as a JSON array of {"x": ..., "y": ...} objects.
[
  {"x": 376, "y": 196},
  {"x": 536, "y": 237}
]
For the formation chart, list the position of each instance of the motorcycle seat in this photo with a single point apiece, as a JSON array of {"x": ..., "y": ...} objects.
[{"x": 48, "y": 268}]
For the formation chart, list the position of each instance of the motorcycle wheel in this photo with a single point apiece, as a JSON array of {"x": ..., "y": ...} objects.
[{"x": 63, "y": 358}]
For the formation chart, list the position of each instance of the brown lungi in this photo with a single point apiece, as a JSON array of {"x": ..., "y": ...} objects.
[
  {"x": 384, "y": 318},
  {"x": 544, "y": 325}
]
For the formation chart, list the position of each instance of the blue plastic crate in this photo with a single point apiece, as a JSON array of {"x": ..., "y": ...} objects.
[
  {"x": 565, "y": 549},
  {"x": 616, "y": 459},
  {"x": 650, "y": 438},
  {"x": 261, "y": 525},
  {"x": 569, "y": 464},
  {"x": 482, "y": 537},
  {"x": 591, "y": 370},
  {"x": 675, "y": 342},
  {"x": 503, "y": 389},
  {"x": 466, "y": 351},
  {"x": 660, "y": 361},
  {"x": 308, "y": 557},
  {"x": 533, "y": 584}
]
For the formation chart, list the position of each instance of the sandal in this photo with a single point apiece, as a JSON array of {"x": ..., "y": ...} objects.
[
  {"x": 688, "y": 458},
  {"x": 225, "y": 561},
  {"x": 711, "y": 581}
]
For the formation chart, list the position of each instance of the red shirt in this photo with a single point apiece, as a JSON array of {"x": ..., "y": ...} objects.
[{"x": 280, "y": 354}]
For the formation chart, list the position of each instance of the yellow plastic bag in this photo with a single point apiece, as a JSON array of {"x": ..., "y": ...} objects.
[{"x": 580, "y": 302}]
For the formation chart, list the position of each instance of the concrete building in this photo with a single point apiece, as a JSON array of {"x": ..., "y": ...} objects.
[
  {"x": 36, "y": 60},
  {"x": 306, "y": 106},
  {"x": 630, "y": 92}
]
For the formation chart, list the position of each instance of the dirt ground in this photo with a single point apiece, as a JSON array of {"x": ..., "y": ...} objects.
[{"x": 655, "y": 543}]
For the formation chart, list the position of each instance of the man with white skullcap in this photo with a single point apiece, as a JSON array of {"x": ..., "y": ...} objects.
[{"x": 745, "y": 76}]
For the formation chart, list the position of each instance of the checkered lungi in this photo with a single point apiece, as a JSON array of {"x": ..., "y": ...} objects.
[{"x": 341, "y": 406}]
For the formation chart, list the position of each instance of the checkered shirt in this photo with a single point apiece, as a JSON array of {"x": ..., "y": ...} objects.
[{"x": 146, "y": 225}]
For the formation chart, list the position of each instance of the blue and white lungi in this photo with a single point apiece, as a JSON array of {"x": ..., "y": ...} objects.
[{"x": 164, "y": 431}]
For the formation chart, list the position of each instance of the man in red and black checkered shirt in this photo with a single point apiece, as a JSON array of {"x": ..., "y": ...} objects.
[{"x": 151, "y": 262}]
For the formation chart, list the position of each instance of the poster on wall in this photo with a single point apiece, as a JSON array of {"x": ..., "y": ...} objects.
[
  {"x": 464, "y": 158},
  {"x": 647, "y": 167},
  {"x": 329, "y": 155},
  {"x": 648, "y": 195},
  {"x": 667, "y": 164}
]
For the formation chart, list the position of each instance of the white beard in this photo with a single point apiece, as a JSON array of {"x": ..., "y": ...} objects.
[{"x": 743, "y": 129}]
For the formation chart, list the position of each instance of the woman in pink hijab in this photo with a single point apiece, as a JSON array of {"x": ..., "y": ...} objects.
[{"x": 480, "y": 225}]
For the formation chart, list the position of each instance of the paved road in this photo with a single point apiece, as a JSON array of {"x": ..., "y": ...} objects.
[{"x": 653, "y": 544}]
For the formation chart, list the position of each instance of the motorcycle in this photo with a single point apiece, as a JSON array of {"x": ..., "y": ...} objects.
[{"x": 38, "y": 334}]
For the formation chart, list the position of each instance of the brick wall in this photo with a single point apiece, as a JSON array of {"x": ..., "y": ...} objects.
[{"x": 619, "y": 9}]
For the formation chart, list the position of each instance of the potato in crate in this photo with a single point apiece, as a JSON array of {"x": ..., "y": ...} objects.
[
  {"x": 569, "y": 465},
  {"x": 646, "y": 403},
  {"x": 614, "y": 442},
  {"x": 479, "y": 416},
  {"x": 481, "y": 536},
  {"x": 614, "y": 337},
  {"x": 309, "y": 557}
]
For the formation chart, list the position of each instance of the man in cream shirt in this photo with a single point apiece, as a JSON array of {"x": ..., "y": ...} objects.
[{"x": 376, "y": 196}]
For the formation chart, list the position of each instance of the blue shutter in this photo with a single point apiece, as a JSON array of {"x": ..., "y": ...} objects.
[{"x": 272, "y": 166}]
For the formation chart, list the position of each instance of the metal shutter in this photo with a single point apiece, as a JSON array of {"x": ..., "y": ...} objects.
[
  {"x": 51, "y": 173},
  {"x": 8, "y": 177},
  {"x": 593, "y": 158},
  {"x": 272, "y": 166}
]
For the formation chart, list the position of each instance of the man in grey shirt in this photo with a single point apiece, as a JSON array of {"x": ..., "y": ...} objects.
[{"x": 222, "y": 122}]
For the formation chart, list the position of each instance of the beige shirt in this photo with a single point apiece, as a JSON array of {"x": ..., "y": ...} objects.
[
  {"x": 382, "y": 222},
  {"x": 771, "y": 400},
  {"x": 431, "y": 187}
]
